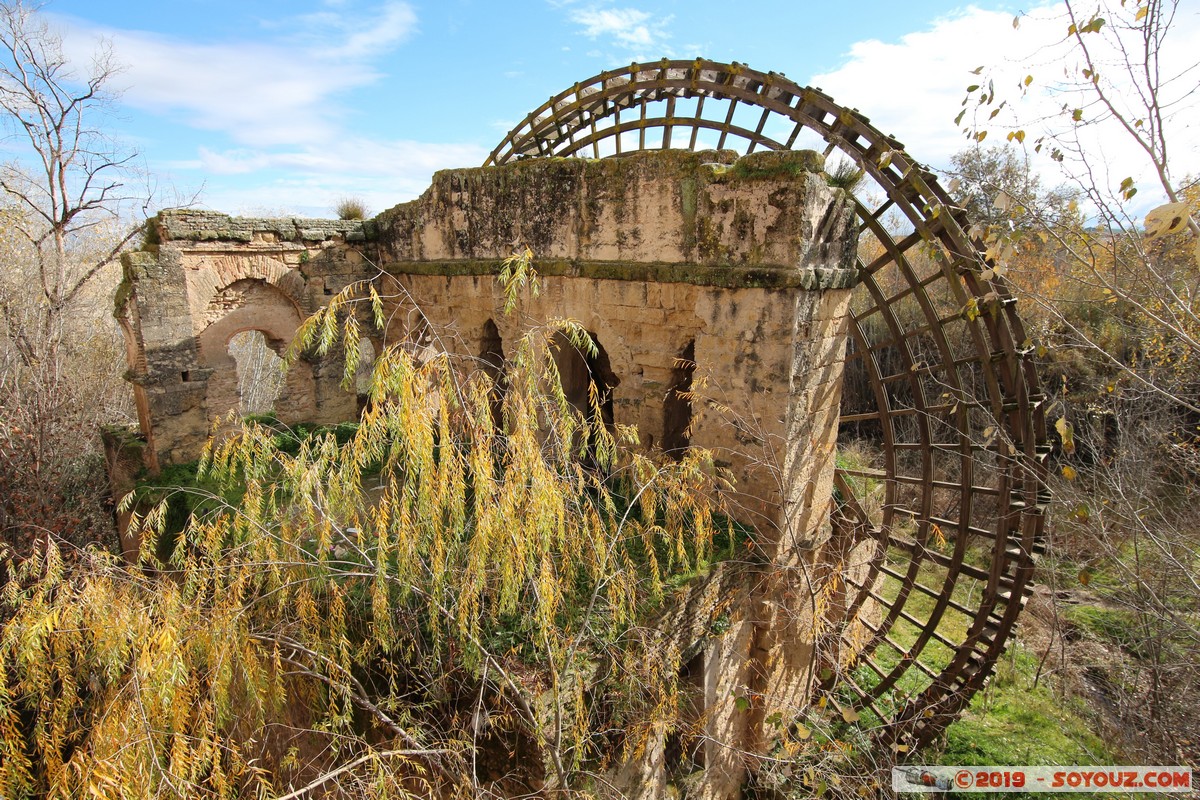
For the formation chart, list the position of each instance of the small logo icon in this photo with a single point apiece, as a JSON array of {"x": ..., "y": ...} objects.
[{"x": 923, "y": 777}]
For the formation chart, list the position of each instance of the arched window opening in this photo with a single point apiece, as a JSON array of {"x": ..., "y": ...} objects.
[
  {"x": 579, "y": 370},
  {"x": 491, "y": 361},
  {"x": 259, "y": 372},
  {"x": 677, "y": 404}
]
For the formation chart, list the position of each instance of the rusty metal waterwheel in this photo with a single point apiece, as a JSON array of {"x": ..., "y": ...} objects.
[{"x": 939, "y": 377}]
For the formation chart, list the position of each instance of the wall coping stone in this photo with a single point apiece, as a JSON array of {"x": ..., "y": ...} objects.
[
  {"x": 770, "y": 276},
  {"x": 189, "y": 225}
]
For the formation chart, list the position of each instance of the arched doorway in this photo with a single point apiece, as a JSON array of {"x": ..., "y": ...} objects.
[
  {"x": 252, "y": 324},
  {"x": 579, "y": 370},
  {"x": 259, "y": 372}
]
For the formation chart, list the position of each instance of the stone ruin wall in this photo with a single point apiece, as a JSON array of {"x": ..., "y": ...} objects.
[
  {"x": 205, "y": 277},
  {"x": 743, "y": 267},
  {"x": 658, "y": 255}
]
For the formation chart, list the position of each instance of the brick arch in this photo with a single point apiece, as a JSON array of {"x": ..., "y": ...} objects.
[
  {"x": 221, "y": 273},
  {"x": 276, "y": 316},
  {"x": 271, "y": 312}
]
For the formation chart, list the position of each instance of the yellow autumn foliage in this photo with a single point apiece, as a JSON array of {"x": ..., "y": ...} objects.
[{"x": 345, "y": 612}]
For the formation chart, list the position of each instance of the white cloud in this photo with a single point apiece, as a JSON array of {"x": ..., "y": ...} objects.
[
  {"x": 384, "y": 172},
  {"x": 349, "y": 156},
  {"x": 628, "y": 28},
  {"x": 913, "y": 88},
  {"x": 279, "y": 139},
  {"x": 279, "y": 89},
  {"x": 258, "y": 94},
  {"x": 627, "y": 25},
  {"x": 358, "y": 35}
]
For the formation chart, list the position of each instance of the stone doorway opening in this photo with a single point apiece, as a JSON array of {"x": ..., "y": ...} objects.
[
  {"x": 677, "y": 404},
  {"x": 260, "y": 373}
]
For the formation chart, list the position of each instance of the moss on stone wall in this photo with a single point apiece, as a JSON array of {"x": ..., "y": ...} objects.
[
  {"x": 760, "y": 277},
  {"x": 777, "y": 163},
  {"x": 672, "y": 206},
  {"x": 123, "y": 294}
]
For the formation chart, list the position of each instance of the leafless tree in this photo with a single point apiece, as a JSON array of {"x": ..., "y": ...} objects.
[
  {"x": 1118, "y": 318},
  {"x": 260, "y": 372},
  {"x": 63, "y": 223},
  {"x": 74, "y": 177}
]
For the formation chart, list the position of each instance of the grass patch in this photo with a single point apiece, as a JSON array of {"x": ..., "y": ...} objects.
[
  {"x": 188, "y": 495},
  {"x": 1012, "y": 722},
  {"x": 845, "y": 175},
  {"x": 934, "y": 655},
  {"x": 351, "y": 208},
  {"x": 1114, "y": 626}
]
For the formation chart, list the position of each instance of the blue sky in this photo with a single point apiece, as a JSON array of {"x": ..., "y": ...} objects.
[{"x": 283, "y": 107}]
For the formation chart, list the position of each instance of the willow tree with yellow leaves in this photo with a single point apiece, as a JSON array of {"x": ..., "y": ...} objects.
[{"x": 399, "y": 606}]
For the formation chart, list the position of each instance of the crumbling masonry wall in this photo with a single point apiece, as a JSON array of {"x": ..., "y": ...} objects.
[
  {"x": 742, "y": 267},
  {"x": 716, "y": 288},
  {"x": 201, "y": 279}
]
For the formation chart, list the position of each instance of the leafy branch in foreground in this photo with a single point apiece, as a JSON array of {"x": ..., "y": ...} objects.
[
  {"x": 516, "y": 272},
  {"x": 445, "y": 581}
]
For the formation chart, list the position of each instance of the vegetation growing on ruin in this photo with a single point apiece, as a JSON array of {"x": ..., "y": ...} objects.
[
  {"x": 351, "y": 208},
  {"x": 408, "y": 603},
  {"x": 367, "y": 585}
]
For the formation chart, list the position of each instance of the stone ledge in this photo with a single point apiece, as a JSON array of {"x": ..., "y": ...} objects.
[
  {"x": 817, "y": 278},
  {"x": 771, "y": 276},
  {"x": 202, "y": 226}
]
